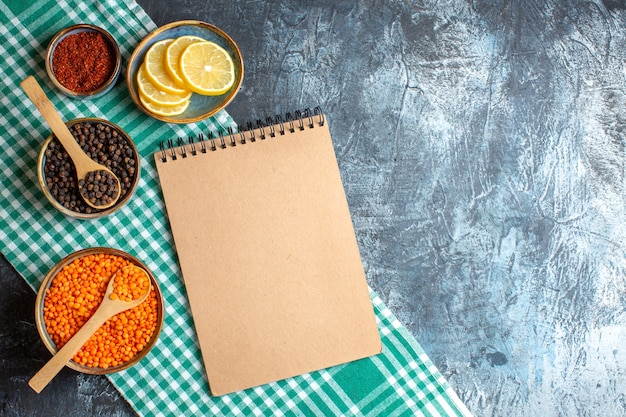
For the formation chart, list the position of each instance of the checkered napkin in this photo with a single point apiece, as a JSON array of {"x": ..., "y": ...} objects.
[{"x": 170, "y": 381}]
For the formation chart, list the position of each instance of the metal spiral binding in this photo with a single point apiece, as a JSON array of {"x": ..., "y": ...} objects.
[
  {"x": 299, "y": 120},
  {"x": 192, "y": 145},
  {"x": 279, "y": 119},
  {"x": 183, "y": 150}
]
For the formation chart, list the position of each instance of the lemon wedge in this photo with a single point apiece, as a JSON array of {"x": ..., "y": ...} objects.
[
  {"x": 164, "y": 110},
  {"x": 172, "y": 56},
  {"x": 207, "y": 68},
  {"x": 155, "y": 68},
  {"x": 156, "y": 96}
]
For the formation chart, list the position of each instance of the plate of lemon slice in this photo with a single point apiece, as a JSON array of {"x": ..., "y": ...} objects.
[{"x": 184, "y": 72}]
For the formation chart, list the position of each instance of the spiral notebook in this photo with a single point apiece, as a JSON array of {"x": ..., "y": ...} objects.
[{"x": 267, "y": 251}]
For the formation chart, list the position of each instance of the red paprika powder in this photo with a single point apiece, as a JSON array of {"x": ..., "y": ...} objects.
[{"x": 84, "y": 61}]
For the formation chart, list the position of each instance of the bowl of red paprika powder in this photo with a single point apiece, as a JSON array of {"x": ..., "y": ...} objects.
[{"x": 83, "y": 60}]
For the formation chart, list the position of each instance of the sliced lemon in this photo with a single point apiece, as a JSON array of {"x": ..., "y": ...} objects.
[
  {"x": 164, "y": 110},
  {"x": 207, "y": 68},
  {"x": 155, "y": 68},
  {"x": 172, "y": 56},
  {"x": 156, "y": 96}
]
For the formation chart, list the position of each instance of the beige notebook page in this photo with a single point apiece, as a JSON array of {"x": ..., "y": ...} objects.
[{"x": 269, "y": 259}]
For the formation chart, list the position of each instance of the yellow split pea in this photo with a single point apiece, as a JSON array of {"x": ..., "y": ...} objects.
[{"x": 77, "y": 291}]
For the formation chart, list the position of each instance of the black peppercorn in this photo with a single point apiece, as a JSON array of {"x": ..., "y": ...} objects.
[{"x": 102, "y": 143}]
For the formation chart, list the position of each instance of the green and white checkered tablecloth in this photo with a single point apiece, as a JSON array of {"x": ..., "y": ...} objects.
[{"x": 170, "y": 381}]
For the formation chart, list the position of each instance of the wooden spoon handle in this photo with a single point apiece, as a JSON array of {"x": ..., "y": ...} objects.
[
  {"x": 33, "y": 90},
  {"x": 41, "y": 379}
]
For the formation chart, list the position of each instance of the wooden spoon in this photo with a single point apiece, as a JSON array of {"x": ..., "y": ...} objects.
[
  {"x": 83, "y": 163},
  {"x": 107, "y": 309}
]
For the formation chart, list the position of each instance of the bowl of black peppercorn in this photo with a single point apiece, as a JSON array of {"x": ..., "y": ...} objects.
[{"x": 104, "y": 142}]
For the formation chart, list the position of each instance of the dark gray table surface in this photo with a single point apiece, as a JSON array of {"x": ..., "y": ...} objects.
[{"x": 481, "y": 145}]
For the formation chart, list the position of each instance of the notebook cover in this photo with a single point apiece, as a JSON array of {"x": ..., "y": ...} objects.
[{"x": 269, "y": 258}]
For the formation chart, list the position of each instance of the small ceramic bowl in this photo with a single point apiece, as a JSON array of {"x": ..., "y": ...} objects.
[
  {"x": 88, "y": 213},
  {"x": 47, "y": 282},
  {"x": 107, "y": 82},
  {"x": 201, "y": 106}
]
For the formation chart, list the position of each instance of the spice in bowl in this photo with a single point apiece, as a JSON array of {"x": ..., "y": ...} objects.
[
  {"x": 102, "y": 141},
  {"x": 83, "y": 60},
  {"x": 75, "y": 293}
]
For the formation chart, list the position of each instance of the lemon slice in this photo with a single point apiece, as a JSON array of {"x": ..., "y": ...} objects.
[
  {"x": 163, "y": 110},
  {"x": 156, "y": 96},
  {"x": 172, "y": 56},
  {"x": 155, "y": 68},
  {"x": 207, "y": 68}
]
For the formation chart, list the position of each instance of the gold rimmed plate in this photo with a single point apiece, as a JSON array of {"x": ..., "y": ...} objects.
[{"x": 200, "y": 107}]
